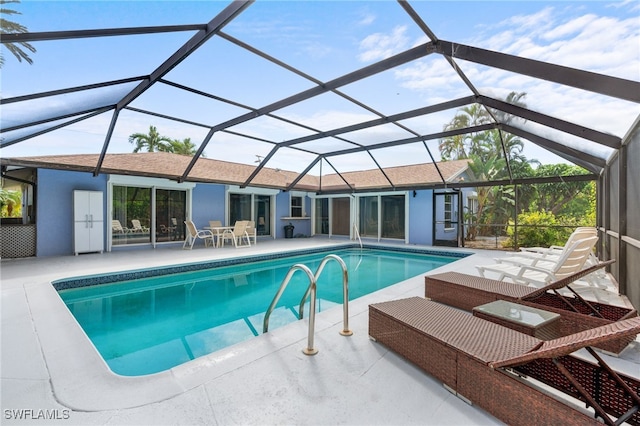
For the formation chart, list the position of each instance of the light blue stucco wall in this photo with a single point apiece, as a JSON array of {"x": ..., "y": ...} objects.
[
  {"x": 207, "y": 204},
  {"x": 283, "y": 209},
  {"x": 54, "y": 223},
  {"x": 55, "y": 210},
  {"x": 421, "y": 217}
]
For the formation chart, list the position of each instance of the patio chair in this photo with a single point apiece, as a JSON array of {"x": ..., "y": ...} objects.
[
  {"x": 571, "y": 261},
  {"x": 252, "y": 231},
  {"x": 465, "y": 292},
  {"x": 194, "y": 234},
  {"x": 554, "y": 252},
  {"x": 517, "y": 378},
  {"x": 533, "y": 255},
  {"x": 238, "y": 235},
  {"x": 137, "y": 227},
  {"x": 116, "y": 227}
]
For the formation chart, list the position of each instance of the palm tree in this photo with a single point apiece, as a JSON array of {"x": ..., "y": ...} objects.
[
  {"x": 152, "y": 141},
  {"x": 463, "y": 146},
  {"x": 513, "y": 98},
  {"x": 184, "y": 147},
  {"x": 9, "y": 27}
]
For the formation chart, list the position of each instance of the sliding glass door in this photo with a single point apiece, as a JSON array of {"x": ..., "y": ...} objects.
[
  {"x": 382, "y": 216},
  {"x": 369, "y": 217},
  {"x": 131, "y": 219},
  {"x": 135, "y": 207},
  {"x": 170, "y": 215},
  {"x": 262, "y": 214},
  {"x": 322, "y": 216},
  {"x": 253, "y": 207},
  {"x": 340, "y": 216},
  {"x": 393, "y": 216}
]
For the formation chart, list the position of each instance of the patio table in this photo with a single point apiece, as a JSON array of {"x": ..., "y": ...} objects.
[{"x": 218, "y": 230}]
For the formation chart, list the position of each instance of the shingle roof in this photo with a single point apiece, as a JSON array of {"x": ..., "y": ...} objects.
[{"x": 170, "y": 166}]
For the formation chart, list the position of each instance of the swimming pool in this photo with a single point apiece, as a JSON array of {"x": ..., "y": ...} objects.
[{"x": 143, "y": 324}]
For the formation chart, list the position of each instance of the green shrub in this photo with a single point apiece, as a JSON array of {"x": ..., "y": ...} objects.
[
  {"x": 535, "y": 229},
  {"x": 544, "y": 229}
]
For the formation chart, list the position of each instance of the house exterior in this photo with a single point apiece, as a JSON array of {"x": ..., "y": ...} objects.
[{"x": 144, "y": 188}]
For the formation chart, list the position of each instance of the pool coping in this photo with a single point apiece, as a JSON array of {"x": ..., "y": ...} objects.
[{"x": 81, "y": 379}]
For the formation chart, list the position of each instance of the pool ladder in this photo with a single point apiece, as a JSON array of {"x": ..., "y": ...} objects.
[{"x": 313, "y": 281}]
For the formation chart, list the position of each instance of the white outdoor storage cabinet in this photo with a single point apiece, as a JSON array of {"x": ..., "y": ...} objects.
[{"x": 88, "y": 221}]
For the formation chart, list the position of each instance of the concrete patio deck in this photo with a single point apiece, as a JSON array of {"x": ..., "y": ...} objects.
[{"x": 49, "y": 368}]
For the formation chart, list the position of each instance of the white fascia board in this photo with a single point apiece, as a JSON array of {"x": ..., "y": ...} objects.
[{"x": 143, "y": 181}]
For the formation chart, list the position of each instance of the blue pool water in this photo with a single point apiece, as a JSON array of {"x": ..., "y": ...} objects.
[{"x": 146, "y": 325}]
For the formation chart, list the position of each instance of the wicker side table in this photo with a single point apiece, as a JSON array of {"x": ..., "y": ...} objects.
[{"x": 525, "y": 319}]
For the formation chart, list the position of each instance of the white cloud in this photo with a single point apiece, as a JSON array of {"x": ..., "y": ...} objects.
[
  {"x": 574, "y": 26},
  {"x": 602, "y": 44},
  {"x": 367, "y": 19},
  {"x": 380, "y": 46}
]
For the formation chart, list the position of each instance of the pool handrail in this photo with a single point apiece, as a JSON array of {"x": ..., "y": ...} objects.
[
  {"x": 309, "y": 350},
  {"x": 312, "y": 289},
  {"x": 355, "y": 229},
  {"x": 345, "y": 292}
]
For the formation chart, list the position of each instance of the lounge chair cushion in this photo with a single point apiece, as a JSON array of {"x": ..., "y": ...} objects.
[{"x": 478, "y": 338}]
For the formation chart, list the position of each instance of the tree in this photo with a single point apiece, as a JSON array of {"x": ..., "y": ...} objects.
[
  {"x": 459, "y": 147},
  {"x": 10, "y": 27},
  {"x": 152, "y": 141},
  {"x": 490, "y": 152},
  {"x": 10, "y": 199},
  {"x": 565, "y": 198},
  {"x": 184, "y": 147},
  {"x": 485, "y": 171}
]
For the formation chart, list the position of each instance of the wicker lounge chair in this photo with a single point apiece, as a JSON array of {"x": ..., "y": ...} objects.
[
  {"x": 576, "y": 314},
  {"x": 508, "y": 373}
]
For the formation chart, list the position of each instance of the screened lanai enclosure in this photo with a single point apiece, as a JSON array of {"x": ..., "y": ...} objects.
[{"x": 324, "y": 105}]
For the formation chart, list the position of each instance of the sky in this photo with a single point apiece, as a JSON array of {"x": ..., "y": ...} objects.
[{"x": 324, "y": 40}]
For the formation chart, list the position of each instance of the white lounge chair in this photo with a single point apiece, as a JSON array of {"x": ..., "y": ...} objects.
[
  {"x": 238, "y": 234},
  {"x": 116, "y": 227},
  {"x": 545, "y": 256},
  {"x": 193, "y": 234},
  {"x": 554, "y": 252},
  {"x": 572, "y": 260},
  {"x": 137, "y": 227}
]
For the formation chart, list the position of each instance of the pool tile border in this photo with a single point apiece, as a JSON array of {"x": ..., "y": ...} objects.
[{"x": 91, "y": 280}]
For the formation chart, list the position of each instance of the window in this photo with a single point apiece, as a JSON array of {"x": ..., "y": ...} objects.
[
  {"x": 448, "y": 211},
  {"x": 296, "y": 206}
]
